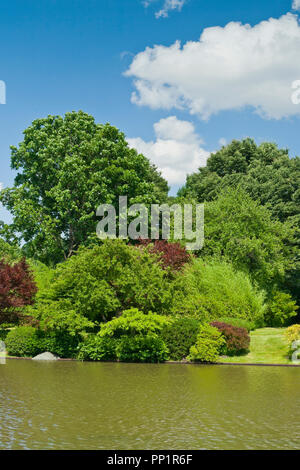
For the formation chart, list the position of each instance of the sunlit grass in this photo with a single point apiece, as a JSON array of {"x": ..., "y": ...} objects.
[{"x": 267, "y": 346}]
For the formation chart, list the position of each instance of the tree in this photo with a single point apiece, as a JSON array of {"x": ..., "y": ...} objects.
[
  {"x": 240, "y": 230},
  {"x": 68, "y": 166},
  {"x": 267, "y": 174},
  {"x": 100, "y": 282},
  {"x": 17, "y": 289}
]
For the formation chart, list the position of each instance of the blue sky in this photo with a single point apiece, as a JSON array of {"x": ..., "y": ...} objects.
[{"x": 63, "y": 55}]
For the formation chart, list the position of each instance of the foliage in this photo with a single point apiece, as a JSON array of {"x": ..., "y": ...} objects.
[
  {"x": 281, "y": 308},
  {"x": 292, "y": 333},
  {"x": 141, "y": 348},
  {"x": 210, "y": 290},
  {"x": 23, "y": 341},
  {"x": 99, "y": 283},
  {"x": 133, "y": 322},
  {"x": 8, "y": 252},
  {"x": 96, "y": 348},
  {"x": 17, "y": 289},
  {"x": 209, "y": 345},
  {"x": 238, "y": 229},
  {"x": 239, "y": 323},
  {"x": 68, "y": 166},
  {"x": 179, "y": 336},
  {"x": 237, "y": 339},
  {"x": 266, "y": 173},
  {"x": 28, "y": 341},
  {"x": 171, "y": 254}
]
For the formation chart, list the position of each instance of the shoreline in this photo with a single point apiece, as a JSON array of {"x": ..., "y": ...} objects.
[{"x": 257, "y": 364}]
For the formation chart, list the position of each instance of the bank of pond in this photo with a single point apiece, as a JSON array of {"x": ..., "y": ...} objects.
[{"x": 152, "y": 338}]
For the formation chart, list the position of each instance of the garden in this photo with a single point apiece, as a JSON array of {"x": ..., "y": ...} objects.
[{"x": 64, "y": 291}]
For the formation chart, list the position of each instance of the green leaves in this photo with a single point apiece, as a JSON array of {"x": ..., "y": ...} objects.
[{"x": 68, "y": 166}]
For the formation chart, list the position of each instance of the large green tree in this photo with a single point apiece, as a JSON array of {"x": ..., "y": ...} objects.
[
  {"x": 267, "y": 174},
  {"x": 66, "y": 167},
  {"x": 239, "y": 229}
]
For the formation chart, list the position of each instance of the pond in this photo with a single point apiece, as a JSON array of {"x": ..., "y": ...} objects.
[{"x": 74, "y": 405}]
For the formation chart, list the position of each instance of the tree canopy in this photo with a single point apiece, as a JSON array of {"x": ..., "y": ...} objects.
[{"x": 66, "y": 167}]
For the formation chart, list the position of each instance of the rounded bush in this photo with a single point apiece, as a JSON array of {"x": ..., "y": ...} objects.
[
  {"x": 26, "y": 341},
  {"x": 23, "y": 341},
  {"x": 97, "y": 348},
  {"x": 149, "y": 348},
  {"x": 179, "y": 336},
  {"x": 209, "y": 345},
  {"x": 237, "y": 339}
]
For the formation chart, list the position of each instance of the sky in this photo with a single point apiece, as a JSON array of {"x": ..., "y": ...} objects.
[{"x": 180, "y": 78}]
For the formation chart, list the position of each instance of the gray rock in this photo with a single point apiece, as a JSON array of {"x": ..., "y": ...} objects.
[{"x": 46, "y": 356}]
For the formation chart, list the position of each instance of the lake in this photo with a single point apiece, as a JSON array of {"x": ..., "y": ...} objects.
[{"x": 75, "y": 405}]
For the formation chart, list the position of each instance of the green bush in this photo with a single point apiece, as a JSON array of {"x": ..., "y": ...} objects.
[
  {"x": 149, "y": 348},
  {"x": 23, "y": 341},
  {"x": 96, "y": 348},
  {"x": 210, "y": 290},
  {"x": 3, "y": 334},
  {"x": 179, "y": 336},
  {"x": 209, "y": 345},
  {"x": 26, "y": 341},
  {"x": 98, "y": 283},
  {"x": 280, "y": 310},
  {"x": 133, "y": 322}
]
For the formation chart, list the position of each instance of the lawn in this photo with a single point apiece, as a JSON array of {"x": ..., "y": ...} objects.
[{"x": 267, "y": 346}]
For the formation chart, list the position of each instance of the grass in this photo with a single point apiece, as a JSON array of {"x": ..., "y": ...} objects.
[{"x": 267, "y": 346}]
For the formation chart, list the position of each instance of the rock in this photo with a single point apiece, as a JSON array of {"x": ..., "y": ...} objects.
[{"x": 46, "y": 356}]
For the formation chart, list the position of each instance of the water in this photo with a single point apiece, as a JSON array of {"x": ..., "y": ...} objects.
[{"x": 73, "y": 405}]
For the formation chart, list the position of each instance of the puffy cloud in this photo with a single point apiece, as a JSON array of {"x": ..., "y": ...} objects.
[
  {"x": 176, "y": 151},
  {"x": 296, "y": 5},
  {"x": 229, "y": 68}
]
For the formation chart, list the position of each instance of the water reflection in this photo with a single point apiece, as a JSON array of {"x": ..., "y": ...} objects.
[{"x": 73, "y": 405}]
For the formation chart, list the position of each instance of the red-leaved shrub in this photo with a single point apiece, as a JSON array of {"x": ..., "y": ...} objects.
[
  {"x": 237, "y": 339},
  {"x": 17, "y": 289},
  {"x": 172, "y": 254}
]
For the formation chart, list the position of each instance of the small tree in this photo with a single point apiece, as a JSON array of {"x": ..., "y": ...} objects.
[{"x": 17, "y": 289}]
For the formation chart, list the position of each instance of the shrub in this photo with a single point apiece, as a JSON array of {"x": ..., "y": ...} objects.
[
  {"x": 23, "y": 341},
  {"x": 26, "y": 341},
  {"x": 17, "y": 289},
  {"x": 179, "y": 336},
  {"x": 292, "y": 333},
  {"x": 3, "y": 334},
  {"x": 96, "y": 348},
  {"x": 171, "y": 254},
  {"x": 238, "y": 322},
  {"x": 280, "y": 310},
  {"x": 237, "y": 339},
  {"x": 61, "y": 344},
  {"x": 98, "y": 283},
  {"x": 133, "y": 322},
  {"x": 214, "y": 289},
  {"x": 149, "y": 348},
  {"x": 209, "y": 344}
]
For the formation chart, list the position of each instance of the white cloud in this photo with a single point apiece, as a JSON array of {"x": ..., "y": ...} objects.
[
  {"x": 168, "y": 6},
  {"x": 228, "y": 68},
  {"x": 177, "y": 150},
  {"x": 296, "y": 5}
]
